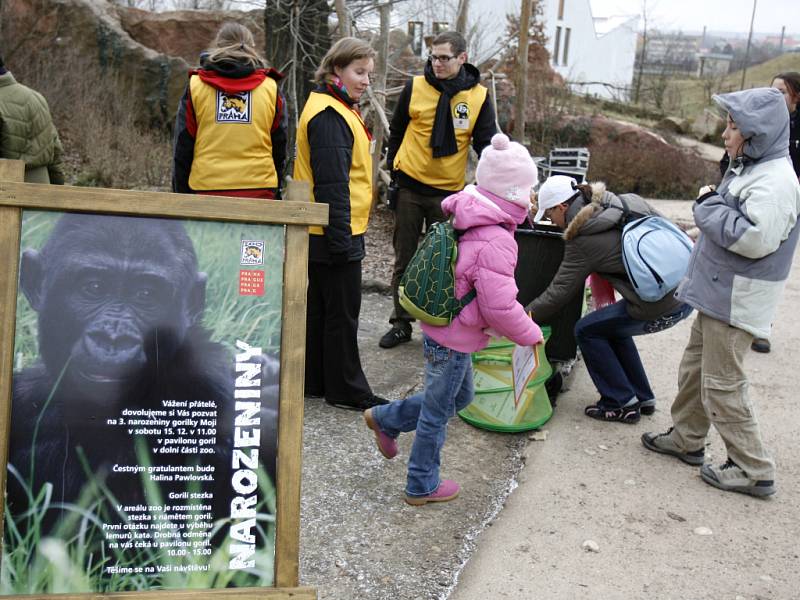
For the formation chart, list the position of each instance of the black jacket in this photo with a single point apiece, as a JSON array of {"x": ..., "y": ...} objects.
[
  {"x": 794, "y": 140},
  {"x": 331, "y": 142}
]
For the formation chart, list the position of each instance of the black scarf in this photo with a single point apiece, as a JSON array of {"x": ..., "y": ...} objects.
[{"x": 443, "y": 137}]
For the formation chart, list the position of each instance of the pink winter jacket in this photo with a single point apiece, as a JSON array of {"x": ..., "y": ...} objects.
[{"x": 487, "y": 257}]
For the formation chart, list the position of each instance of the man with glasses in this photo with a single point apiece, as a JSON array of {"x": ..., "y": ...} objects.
[{"x": 437, "y": 115}]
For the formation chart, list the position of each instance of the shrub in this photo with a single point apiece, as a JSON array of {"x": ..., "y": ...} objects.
[
  {"x": 94, "y": 112},
  {"x": 634, "y": 160}
]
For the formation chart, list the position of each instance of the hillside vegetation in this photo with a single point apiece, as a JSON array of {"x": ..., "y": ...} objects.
[{"x": 688, "y": 97}]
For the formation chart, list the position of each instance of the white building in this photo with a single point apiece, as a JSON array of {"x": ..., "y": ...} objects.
[{"x": 594, "y": 55}]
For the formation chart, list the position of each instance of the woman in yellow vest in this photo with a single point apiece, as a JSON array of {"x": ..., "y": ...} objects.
[
  {"x": 333, "y": 155},
  {"x": 230, "y": 132}
]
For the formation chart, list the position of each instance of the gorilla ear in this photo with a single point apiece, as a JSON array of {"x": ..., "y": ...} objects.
[
  {"x": 31, "y": 277},
  {"x": 197, "y": 299}
]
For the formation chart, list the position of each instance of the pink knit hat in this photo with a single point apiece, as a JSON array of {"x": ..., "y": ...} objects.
[{"x": 507, "y": 170}]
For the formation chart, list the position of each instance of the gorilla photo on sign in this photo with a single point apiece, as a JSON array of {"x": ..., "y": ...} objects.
[{"x": 119, "y": 303}]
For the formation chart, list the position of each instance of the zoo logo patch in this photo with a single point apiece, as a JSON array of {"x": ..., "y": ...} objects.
[
  {"x": 233, "y": 107},
  {"x": 461, "y": 111},
  {"x": 252, "y": 252}
]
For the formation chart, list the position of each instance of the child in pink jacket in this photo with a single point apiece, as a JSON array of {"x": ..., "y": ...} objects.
[{"x": 487, "y": 215}]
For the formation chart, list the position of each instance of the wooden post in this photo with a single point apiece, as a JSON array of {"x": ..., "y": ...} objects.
[
  {"x": 10, "y": 216},
  {"x": 522, "y": 72},
  {"x": 749, "y": 41},
  {"x": 12, "y": 170},
  {"x": 290, "y": 444}
]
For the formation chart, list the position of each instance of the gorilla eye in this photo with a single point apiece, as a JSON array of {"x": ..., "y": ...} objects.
[
  {"x": 94, "y": 288},
  {"x": 147, "y": 294}
]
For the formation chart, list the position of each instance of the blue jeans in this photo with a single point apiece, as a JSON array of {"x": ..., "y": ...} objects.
[
  {"x": 605, "y": 338},
  {"x": 448, "y": 389}
]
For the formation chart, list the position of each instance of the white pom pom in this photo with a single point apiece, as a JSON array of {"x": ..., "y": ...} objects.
[{"x": 500, "y": 141}]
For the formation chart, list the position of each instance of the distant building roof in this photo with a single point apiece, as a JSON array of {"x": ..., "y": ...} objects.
[
  {"x": 604, "y": 25},
  {"x": 715, "y": 56}
]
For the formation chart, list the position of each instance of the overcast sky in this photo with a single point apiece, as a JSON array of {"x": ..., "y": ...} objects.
[{"x": 717, "y": 15}]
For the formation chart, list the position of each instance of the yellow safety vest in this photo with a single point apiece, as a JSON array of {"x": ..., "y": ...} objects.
[
  {"x": 415, "y": 157},
  {"x": 233, "y": 146},
  {"x": 360, "y": 167}
]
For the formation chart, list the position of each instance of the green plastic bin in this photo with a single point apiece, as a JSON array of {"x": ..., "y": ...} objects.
[{"x": 493, "y": 407}]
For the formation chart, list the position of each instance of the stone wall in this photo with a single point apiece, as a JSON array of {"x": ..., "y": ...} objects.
[{"x": 146, "y": 55}]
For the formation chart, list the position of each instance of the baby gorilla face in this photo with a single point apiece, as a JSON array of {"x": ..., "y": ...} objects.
[{"x": 113, "y": 301}]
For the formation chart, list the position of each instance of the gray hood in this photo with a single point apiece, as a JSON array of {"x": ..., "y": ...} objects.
[{"x": 762, "y": 117}]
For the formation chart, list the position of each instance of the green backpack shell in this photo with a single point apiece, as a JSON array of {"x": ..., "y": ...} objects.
[{"x": 427, "y": 288}]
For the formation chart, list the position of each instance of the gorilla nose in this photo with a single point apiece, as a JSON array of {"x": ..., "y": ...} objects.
[{"x": 113, "y": 345}]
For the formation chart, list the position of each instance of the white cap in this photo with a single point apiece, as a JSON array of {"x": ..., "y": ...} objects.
[{"x": 554, "y": 191}]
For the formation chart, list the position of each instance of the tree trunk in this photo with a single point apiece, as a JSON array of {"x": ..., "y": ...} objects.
[
  {"x": 522, "y": 72},
  {"x": 461, "y": 17},
  {"x": 344, "y": 19},
  {"x": 288, "y": 22},
  {"x": 379, "y": 85}
]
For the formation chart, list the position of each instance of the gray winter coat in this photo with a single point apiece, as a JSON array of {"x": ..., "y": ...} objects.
[
  {"x": 594, "y": 245},
  {"x": 749, "y": 227}
]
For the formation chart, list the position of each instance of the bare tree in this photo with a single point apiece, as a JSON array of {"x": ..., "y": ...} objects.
[
  {"x": 345, "y": 30},
  {"x": 297, "y": 40},
  {"x": 522, "y": 72},
  {"x": 378, "y": 98}
]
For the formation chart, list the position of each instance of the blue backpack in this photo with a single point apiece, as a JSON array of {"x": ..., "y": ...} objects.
[{"x": 655, "y": 253}]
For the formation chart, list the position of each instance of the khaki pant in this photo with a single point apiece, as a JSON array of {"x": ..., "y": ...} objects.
[
  {"x": 712, "y": 388},
  {"x": 37, "y": 175},
  {"x": 413, "y": 211}
]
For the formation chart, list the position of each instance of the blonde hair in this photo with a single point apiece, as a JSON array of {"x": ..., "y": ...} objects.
[
  {"x": 235, "y": 43},
  {"x": 341, "y": 54}
]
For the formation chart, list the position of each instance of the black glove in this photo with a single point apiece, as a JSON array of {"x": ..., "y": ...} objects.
[{"x": 392, "y": 192}]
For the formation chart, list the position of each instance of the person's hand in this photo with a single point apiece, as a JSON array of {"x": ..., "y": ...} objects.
[{"x": 706, "y": 189}]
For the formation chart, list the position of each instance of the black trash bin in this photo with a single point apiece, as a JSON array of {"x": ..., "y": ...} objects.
[{"x": 541, "y": 249}]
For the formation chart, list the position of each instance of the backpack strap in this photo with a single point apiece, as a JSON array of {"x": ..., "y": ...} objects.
[{"x": 628, "y": 215}]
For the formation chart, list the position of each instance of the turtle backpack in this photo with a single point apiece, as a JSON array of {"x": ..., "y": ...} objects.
[{"x": 428, "y": 285}]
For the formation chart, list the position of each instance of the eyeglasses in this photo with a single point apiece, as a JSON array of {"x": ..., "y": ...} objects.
[{"x": 442, "y": 59}]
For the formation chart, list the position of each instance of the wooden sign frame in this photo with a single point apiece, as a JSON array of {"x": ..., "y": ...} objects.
[{"x": 296, "y": 213}]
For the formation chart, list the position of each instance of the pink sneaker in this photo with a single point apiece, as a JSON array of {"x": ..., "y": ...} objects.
[
  {"x": 386, "y": 444},
  {"x": 447, "y": 490}
]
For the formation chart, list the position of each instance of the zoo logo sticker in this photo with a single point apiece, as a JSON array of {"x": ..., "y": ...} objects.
[
  {"x": 233, "y": 107},
  {"x": 252, "y": 252},
  {"x": 461, "y": 116}
]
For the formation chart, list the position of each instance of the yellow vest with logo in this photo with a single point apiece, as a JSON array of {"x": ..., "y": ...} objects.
[
  {"x": 233, "y": 145},
  {"x": 360, "y": 168},
  {"x": 415, "y": 156}
]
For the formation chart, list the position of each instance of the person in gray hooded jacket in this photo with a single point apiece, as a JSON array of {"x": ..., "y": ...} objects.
[
  {"x": 592, "y": 218},
  {"x": 735, "y": 279}
]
